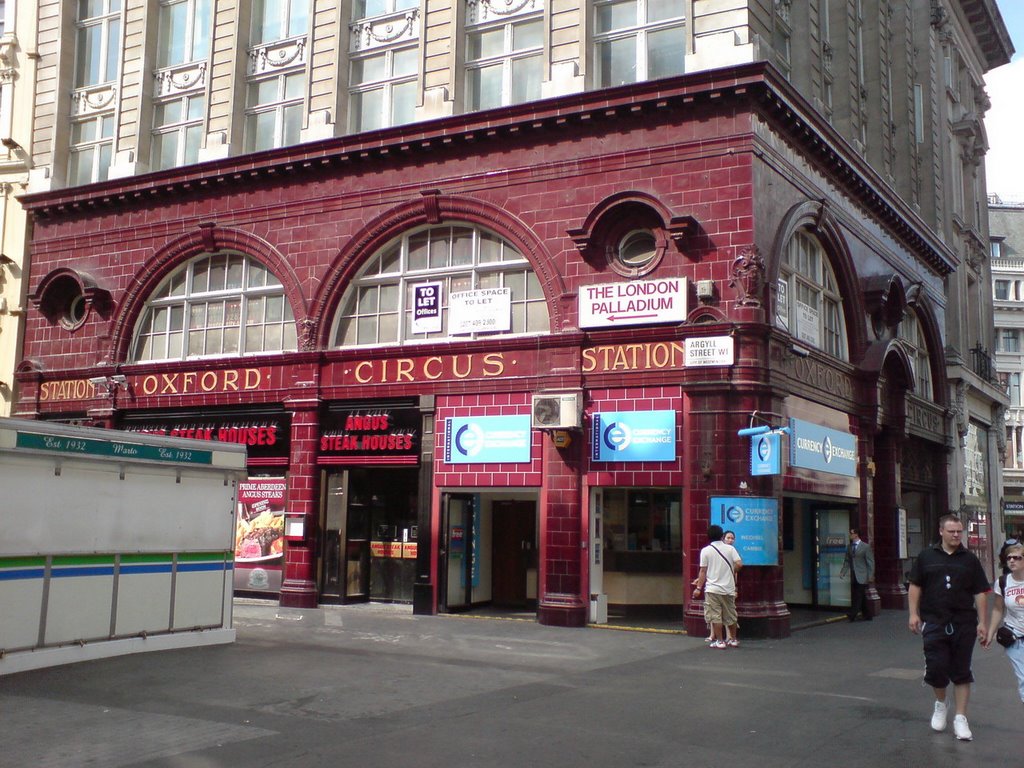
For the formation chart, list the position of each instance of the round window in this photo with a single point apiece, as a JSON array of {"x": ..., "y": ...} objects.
[
  {"x": 74, "y": 312},
  {"x": 637, "y": 249}
]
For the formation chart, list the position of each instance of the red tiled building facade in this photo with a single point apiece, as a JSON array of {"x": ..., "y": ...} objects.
[{"x": 793, "y": 267}]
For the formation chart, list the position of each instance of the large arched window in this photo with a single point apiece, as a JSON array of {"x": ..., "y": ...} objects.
[
  {"x": 442, "y": 282},
  {"x": 217, "y": 304},
  {"x": 808, "y": 303},
  {"x": 911, "y": 334}
]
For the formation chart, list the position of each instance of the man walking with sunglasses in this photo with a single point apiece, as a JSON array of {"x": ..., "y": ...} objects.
[{"x": 948, "y": 601}]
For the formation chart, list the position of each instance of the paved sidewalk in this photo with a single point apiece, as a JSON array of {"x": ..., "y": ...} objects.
[{"x": 376, "y": 686}]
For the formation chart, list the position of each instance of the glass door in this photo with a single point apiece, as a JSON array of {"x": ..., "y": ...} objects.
[
  {"x": 459, "y": 553},
  {"x": 332, "y": 523},
  {"x": 833, "y": 537}
]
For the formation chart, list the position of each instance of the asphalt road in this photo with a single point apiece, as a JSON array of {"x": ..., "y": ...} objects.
[{"x": 373, "y": 686}]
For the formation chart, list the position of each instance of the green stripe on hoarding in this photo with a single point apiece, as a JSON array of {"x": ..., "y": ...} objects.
[
  {"x": 64, "y": 560},
  {"x": 117, "y": 448},
  {"x": 22, "y": 562},
  {"x": 193, "y": 557},
  {"x": 145, "y": 558}
]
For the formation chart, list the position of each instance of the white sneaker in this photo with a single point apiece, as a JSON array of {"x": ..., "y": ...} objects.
[
  {"x": 717, "y": 645},
  {"x": 961, "y": 728},
  {"x": 732, "y": 642},
  {"x": 939, "y": 717}
]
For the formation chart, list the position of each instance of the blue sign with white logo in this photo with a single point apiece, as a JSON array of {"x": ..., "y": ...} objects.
[
  {"x": 766, "y": 454},
  {"x": 827, "y": 450},
  {"x": 634, "y": 436},
  {"x": 487, "y": 440},
  {"x": 755, "y": 521}
]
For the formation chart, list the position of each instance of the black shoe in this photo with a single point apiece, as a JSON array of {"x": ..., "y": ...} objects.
[
  {"x": 869, "y": 618},
  {"x": 852, "y": 618}
]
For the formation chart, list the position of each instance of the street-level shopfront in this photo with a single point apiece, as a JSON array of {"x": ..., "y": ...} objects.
[{"x": 465, "y": 380}]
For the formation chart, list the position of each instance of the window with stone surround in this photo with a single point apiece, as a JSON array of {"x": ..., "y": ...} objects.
[
  {"x": 98, "y": 42},
  {"x": 808, "y": 303},
  {"x": 504, "y": 52},
  {"x": 184, "y": 31},
  {"x": 178, "y": 130},
  {"x": 279, "y": 19},
  {"x": 428, "y": 266},
  {"x": 180, "y": 80},
  {"x": 92, "y": 147},
  {"x": 636, "y": 40},
  {"x": 215, "y": 305},
  {"x": 911, "y": 334},
  {"x": 274, "y": 110},
  {"x": 384, "y": 64}
]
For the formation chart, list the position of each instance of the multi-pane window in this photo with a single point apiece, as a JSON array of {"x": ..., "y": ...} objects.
[
  {"x": 638, "y": 40},
  {"x": 782, "y": 35},
  {"x": 99, "y": 42},
  {"x": 217, "y": 304},
  {"x": 383, "y": 88},
  {"x": 1009, "y": 340},
  {"x": 504, "y": 62},
  {"x": 808, "y": 302},
  {"x": 178, "y": 130},
  {"x": 364, "y": 9},
  {"x": 1002, "y": 290},
  {"x": 996, "y": 248},
  {"x": 911, "y": 333},
  {"x": 275, "y": 110},
  {"x": 279, "y": 19},
  {"x": 184, "y": 31},
  {"x": 92, "y": 146},
  {"x": 425, "y": 268}
]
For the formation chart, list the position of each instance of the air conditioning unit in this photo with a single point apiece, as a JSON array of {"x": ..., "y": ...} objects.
[{"x": 557, "y": 410}]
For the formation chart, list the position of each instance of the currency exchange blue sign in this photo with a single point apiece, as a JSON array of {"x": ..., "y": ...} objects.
[
  {"x": 634, "y": 436},
  {"x": 755, "y": 521},
  {"x": 827, "y": 450},
  {"x": 487, "y": 440}
]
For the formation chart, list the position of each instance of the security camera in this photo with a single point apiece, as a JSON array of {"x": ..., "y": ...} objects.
[
  {"x": 98, "y": 381},
  {"x": 120, "y": 379}
]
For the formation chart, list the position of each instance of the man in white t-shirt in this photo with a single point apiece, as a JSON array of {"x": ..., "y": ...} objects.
[{"x": 719, "y": 564}]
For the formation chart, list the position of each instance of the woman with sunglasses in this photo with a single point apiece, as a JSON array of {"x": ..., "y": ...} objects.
[{"x": 1009, "y": 610}]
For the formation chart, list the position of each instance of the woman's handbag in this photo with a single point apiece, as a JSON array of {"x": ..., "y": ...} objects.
[{"x": 1005, "y": 637}]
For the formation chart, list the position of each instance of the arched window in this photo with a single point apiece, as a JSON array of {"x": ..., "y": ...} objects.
[
  {"x": 442, "y": 282},
  {"x": 217, "y": 304},
  {"x": 914, "y": 341},
  {"x": 808, "y": 302}
]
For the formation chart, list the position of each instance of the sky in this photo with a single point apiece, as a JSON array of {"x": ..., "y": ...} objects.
[{"x": 1004, "y": 163}]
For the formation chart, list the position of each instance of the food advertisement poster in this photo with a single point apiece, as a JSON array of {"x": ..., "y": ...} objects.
[{"x": 259, "y": 534}]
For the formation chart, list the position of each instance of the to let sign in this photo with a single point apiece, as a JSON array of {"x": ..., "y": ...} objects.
[{"x": 638, "y": 302}]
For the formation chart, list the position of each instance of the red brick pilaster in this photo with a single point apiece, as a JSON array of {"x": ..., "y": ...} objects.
[
  {"x": 560, "y": 600},
  {"x": 298, "y": 589}
]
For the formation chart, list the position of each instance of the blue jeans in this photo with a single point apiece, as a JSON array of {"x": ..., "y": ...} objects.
[{"x": 1015, "y": 653}]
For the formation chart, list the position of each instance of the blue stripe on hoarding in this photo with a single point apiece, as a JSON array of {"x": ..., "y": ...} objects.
[
  {"x": 148, "y": 568},
  {"x": 219, "y": 566},
  {"x": 21, "y": 573},
  {"x": 60, "y": 573}
]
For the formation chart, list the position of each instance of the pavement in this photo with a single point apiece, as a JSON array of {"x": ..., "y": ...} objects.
[{"x": 376, "y": 686}]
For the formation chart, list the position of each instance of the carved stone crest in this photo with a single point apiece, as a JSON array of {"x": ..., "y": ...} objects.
[{"x": 748, "y": 277}]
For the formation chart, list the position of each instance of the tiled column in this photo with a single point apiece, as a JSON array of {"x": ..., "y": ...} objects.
[
  {"x": 560, "y": 599},
  {"x": 299, "y": 587}
]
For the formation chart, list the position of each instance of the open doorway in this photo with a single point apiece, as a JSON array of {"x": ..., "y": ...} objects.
[{"x": 488, "y": 552}]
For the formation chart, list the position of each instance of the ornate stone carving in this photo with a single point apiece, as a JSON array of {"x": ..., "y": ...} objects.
[
  {"x": 748, "y": 277},
  {"x": 277, "y": 55},
  {"x": 379, "y": 32},
  {"x": 175, "y": 80},
  {"x": 486, "y": 10},
  {"x": 307, "y": 334},
  {"x": 93, "y": 100}
]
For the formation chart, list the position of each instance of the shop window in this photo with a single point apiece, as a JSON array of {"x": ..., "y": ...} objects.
[
  {"x": 404, "y": 294},
  {"x": 637, "y": 40},
  {"x": 911, "y": 333},
  {"x": 642, "y": 520},
  {"x": 217, "y": 304},
  {"x": 808, "y": 303},
  {"x": 504, "y": 59}
]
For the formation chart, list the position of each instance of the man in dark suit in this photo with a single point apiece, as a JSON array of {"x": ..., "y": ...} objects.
[{"x": 860, "y": 563}]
